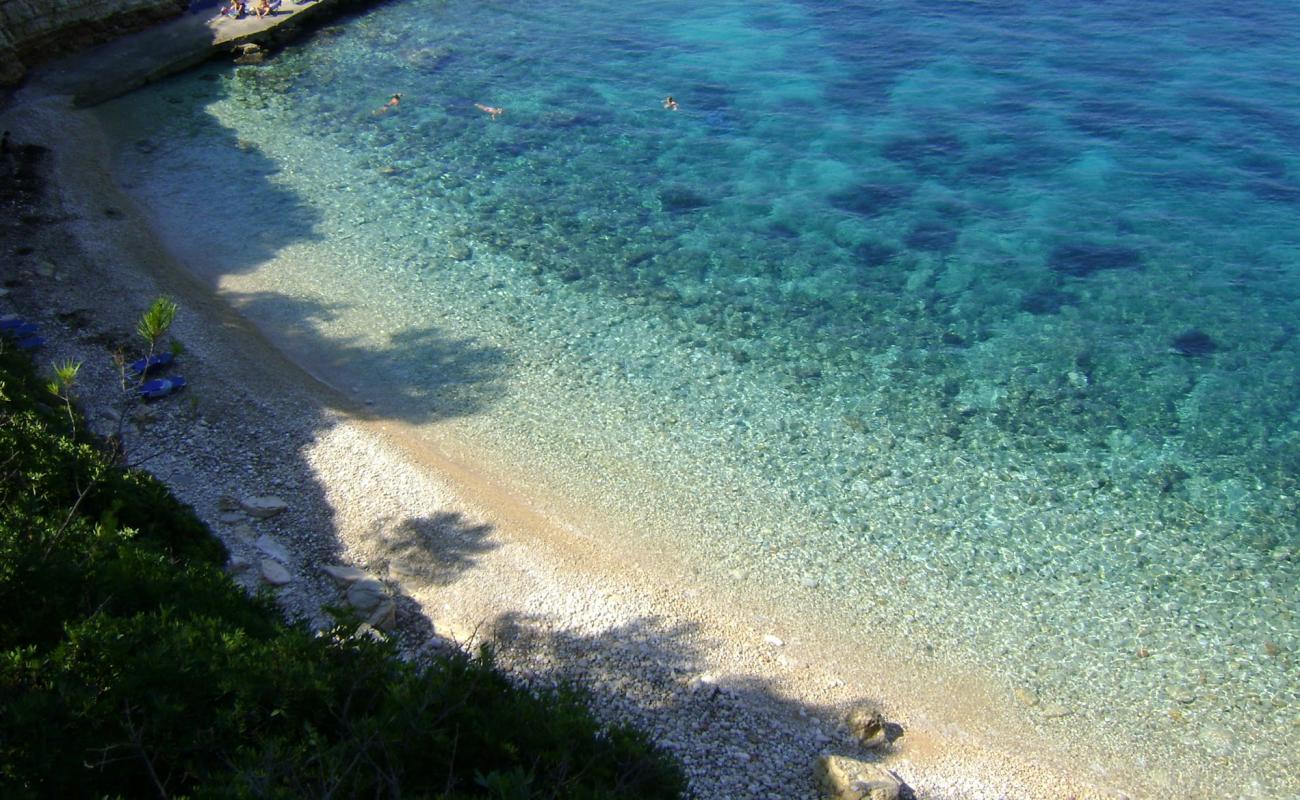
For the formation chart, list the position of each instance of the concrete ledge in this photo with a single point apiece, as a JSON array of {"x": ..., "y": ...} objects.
[{"x": 110, "y": 70}]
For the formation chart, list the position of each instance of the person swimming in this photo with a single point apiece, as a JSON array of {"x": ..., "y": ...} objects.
[
  {"x": 670, "y": 103},
  {"x": 392, "y": 103},
  {"x": 491, "y": 111}
]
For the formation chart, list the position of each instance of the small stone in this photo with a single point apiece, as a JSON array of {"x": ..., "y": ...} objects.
[
  {"x": 274, "y": 573},
  {"x": 230, "y": 518},
  {"x": 460, "y": 252},
  {"x": 1219, "y": 742},
  {"x": 1026, "y": 696},
  {"x": 1056, "y": 711},
  {"x": 1179, "y": 695},
  {"x": 844, "y": 778},
  {"x": 245, "y": 531},
  {"x": 809, "y": 582},
  {"x": 237, "y": 564},
  {"x": 272, "y": 548},
  {"x": 228, "y": 503},
  {"x": 343, "y": 575},
  {"x": 773, "y": 640},
  {"x": 1272, "y": 650},
  {"x": 262, "y": 507}
]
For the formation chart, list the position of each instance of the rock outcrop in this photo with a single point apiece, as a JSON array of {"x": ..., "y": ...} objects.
[
  {"x": 34, "y": 30},
  {"x": 844, "y": 778}
]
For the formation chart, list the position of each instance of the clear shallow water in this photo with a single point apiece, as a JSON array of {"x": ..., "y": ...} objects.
[{"x": 977, "y": 321}]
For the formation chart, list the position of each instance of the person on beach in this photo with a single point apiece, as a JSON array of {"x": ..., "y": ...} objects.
[
  {"x": 236, "y": 9},
  {"x": 491, "y": 111},
  {"x": 263, "y": 8},
  {"x": 670, "y": 103}
]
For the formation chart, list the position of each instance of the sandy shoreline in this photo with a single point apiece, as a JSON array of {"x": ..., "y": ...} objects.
[{"x": 476, "y": 555}]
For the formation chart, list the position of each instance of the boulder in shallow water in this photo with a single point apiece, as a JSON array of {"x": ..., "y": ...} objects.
[
  {"x": 1081, "y": 259},
  {"x": 1194, "y": 344},
  {"x": 677, "y": 199}
]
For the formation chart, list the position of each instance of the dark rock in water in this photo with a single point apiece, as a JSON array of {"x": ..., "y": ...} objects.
[
  {"x": 429, "y": 59},
  {"x": 871, "y": 199},
  {"x": 1276, "y": 192},
  {"x": 1047, "y": 301},
  {"x": 679, "y": 198},
  {"x": 933, "y": 236},
  {"x": 1082, "y": 260},
  {"x": 1194, "y": 343},
  {"x": 926, "y": 154},
  {"x": 873, "y": 254},
  {"x": 782, "y": 231}
]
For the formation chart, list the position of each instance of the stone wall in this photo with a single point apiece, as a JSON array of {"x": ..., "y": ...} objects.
[{"x": 34, "y": 30}]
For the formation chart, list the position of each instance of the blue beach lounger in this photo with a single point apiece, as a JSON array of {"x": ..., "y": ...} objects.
[
  {"x": 161, "y": 387},
  {"x": 154, "y": 362},
  {"x": 18, "y": 328}
]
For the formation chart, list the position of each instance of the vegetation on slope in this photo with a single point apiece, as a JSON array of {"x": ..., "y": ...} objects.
[{"x": 131, "y": 666}]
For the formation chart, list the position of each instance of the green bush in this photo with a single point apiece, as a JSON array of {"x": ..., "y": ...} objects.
[{"x": 131, "y": 666}]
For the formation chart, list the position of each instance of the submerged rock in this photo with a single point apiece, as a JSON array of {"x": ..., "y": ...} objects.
[
  {"x": 1083, "y": 259},
  {"x": 1194, "y": 343},
  {"x": 871, "y": 199},
  {"x": 679, "y": 198}
]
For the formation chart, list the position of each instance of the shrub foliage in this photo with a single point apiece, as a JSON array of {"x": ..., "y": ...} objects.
[{"x": 131, "y": 666}]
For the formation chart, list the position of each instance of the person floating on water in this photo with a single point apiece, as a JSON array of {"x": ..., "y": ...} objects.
[
  {"x": 670, "y": 103},
  {"x": 392, "y": 103},
  {"x": 491, "y": 111}
]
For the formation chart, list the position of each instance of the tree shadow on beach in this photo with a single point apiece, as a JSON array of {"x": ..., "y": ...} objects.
[
  {"x": 729, "y": 729},
  {"x": 430, "y": 550},
  {"x": 415, "y": 375}
]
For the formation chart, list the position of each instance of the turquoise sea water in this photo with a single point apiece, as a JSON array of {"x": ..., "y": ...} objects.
[{"x": 975, "y": 320}]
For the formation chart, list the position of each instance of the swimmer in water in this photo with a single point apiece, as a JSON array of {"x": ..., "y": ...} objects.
[{"x": 491, "y": 111}]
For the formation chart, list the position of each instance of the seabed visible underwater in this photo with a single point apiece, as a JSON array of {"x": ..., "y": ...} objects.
[{"x": 977, "y": 321}]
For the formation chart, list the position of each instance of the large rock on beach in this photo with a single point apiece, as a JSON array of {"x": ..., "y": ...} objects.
[
  {"x": 263, "y": 506},
  {"x": 274, "y": 573},
  {"x": 372, "y": 599},
  {"x": 344, "y": 575},
  {"x": 844, "y": 778},
  {"x": 868, "y": 726},
  {"x": 272, "y": 548}
]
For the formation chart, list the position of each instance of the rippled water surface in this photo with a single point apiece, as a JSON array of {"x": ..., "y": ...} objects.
[{"x": 975, "y": 320}]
